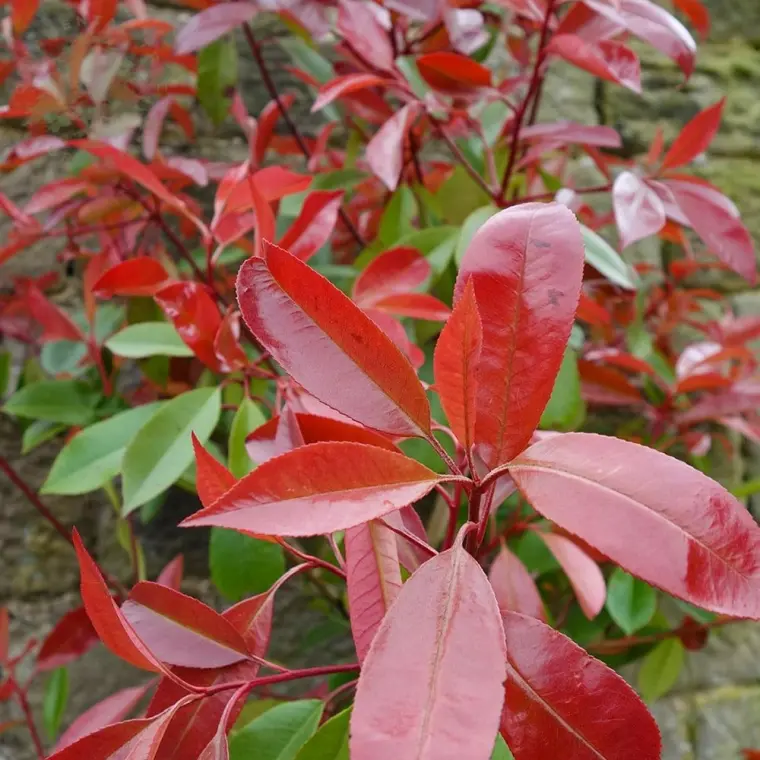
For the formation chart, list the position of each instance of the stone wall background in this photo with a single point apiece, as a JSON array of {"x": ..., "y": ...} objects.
[{"x": 714, "y": 710}]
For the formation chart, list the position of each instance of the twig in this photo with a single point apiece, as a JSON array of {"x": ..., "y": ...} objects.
[
  {"x": 302, "y": 146},
  {"x": 30, "y": 724}
]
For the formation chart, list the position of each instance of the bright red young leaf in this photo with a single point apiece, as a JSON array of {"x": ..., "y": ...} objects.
[
  {"x": 212, "y": 478},
  {"x": 695, "y": 137},
  {"x": 373, "y": 579},
  {"x": 171, "y": 575},
  {"x": 316, "y": 333},
  {"x": 227, "y": 346},
  {"x": 432, "y": 684},
  {"x": 112, "y": 629},
  {"x": 385, "y": 151},
  {"x": 456, "y": 357},
  {"x": 360, "y": 28},
  {"x": 195, "y": 315},
  {"x": 109, "y": 710},
  {"x": 691, "y": 539},
  {"x": 561, "y": 702},
  {"x": 71, "y": 637},
  {"x": 526, "y": 265},
  {"x": 453, "y": 74},
  {"x": 583, "y": 573},
  {"x": 318, "y": 489},
  {"x": 414, "y": 305},
  {"x": 397, "y": 270},
  {"x": 141, "y": 276},
  {"x": 639, "y": 212},
  {"x": 696, "y": 12},
  {"x": 180, "y": 630},
  {"x": 211, "y": 24},
  {"x": 267, "y": 121},
  {"x": 345, "y": 85},
  {"x": 55, "y": 323},
  {"x": 262, "y": 443},
  {"x": 314, "y": 225},
  {"x": 218, "y": 747},
  {"x": 514, "y": 587},
  {"x": 608, "y": 60}
]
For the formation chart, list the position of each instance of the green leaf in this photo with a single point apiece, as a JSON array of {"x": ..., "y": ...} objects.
[
  {"x": 252, "y": 710},
  {"x": 217, "y": 75},
  {"x": 307, "y": 58},
  {"x": 566, "y": 409},
  {"x": 330, "y": 742},
  {"x": 54, "y": 701},
  {"x": 660, "y": 669},
  {"x": 607, "y": 261},
  {"x": 69, "y": 402},
  {"x": 492, "y": 119},
  {"x": 397, "y": 216},
  {"x": 39, "y": 432},
  {"x": 408, "y": 67},
  {"x": 700, "y": 615},
  {"x": 6, "y": 362},
  {"x": 243, "y": 566},
  {"x": 534, "y": 553},
  {"x": 162, "y": 450},
  {"x": 63, "y": 357},
  {"x": 500, "y": 750},
  {"x": 459, "y": 196},
  {"x": 94, "y": 456},
  {"x": 247, "y": 418},
  {"x": 148, "y": 339},
  {"x": 279, "y": 733},
  {"x": 471, "y": 225},
  {"x": 630, "y": 602}
]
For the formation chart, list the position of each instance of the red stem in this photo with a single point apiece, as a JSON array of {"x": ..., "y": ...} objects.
[{"x": 29, "y": 719}]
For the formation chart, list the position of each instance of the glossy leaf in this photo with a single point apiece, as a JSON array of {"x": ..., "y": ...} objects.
[
  {"x": 455, "y": 362},
  {"x": 526, "y": 265},
  {"x": 211, "y": 24},
  {"x": 398, "y": 270},
  {"x": 212, "y": 478},
  {"x": 432, "y": 684},
  {"x": 452, "y": 73},
  {"x": 608, "y": 60},
  {"x": 361, "y": 29},
  {"x": 141, "y": 276},
  {"x": 379, "y": 387},
  {"x": 71, "y": 637},
  {"x": 162, "y": 449},
  {"x": 94, "y": 455},
  {"x": 583, "y": 573},
  {"x": 345, "y": 85},
  {"x": 314, "y": 225},
  {"x": 54, "y": 700},
  {"x": 55, "y": 323},
  {"x": 69, "y": 402},
  {"x": 279, "y": 733},
  {"x": 514, "y": 587},
  {"x": 697, "y": 13},
  {"x": 660, "y": 669},
  {"x": 561, "y": 702},
  {"x": 694, "y": 540},
  {"x": 148, "y": 339},
  {"x": 172, "y": 573},
  {"x": 639, "y": 212},
  {"x": 248, "y": 418},
  {"x": 695, "y": 137},
  {"x": 607, "y": 261},
  {"x": 385, "y": 151},
  {"x": 180, "y": 630},
  {"x": 218, "y": 747},
  {"x": 373, "y": 579},
  {"x": 330, "y": 742},
  {"x": 317, "y": 489},
  {"x": 630, "y": 602}
]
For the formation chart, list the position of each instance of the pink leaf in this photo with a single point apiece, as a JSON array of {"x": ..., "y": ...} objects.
[
  {"x": 639, "y": 212},
  {"x": 514, "y": 587},
  {"x": 360, "y": 28},
  {"x": 314, "y": 225},
  {"x": 211, "y": 24},
  {"x": 385, "y": 151}
]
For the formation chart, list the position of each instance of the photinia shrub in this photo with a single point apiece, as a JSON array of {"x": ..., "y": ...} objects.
[{"x": 371, "y": 348}]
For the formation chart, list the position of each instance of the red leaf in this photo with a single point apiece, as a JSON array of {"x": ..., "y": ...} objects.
[
  {"x": 4, "y": 634},
  {"x": 526, "y": 265},
  {"x": 154, "y": 123},
  {"x": 212, "y": 478},
  {"x": 723, "y": 233},
  {"x": 102, "y": 12},
  {"x": 359, "y": 26},
  {"x": 397, "y": 333},
  {"x": 608, "y": 60},
  {"x": 453, "y": 74},
  {"x": 695, "y": 137},
  {"x": 696, "y": 13},
  {"x": 195, "y": 316},
  {"x": 385, "y": 151},
  {"x": 109, "y": 710},
  {"x": 456, "y": 358},
  {"x": 112, "y": 628},
  {"x": 180, "y": 630},
  {"x": 692, "y": 539},
  {"x": 211, "y": 24},
  {"x": 266, "y": 123},
  {"x": 71, "y": 637},
  {"x": 340, "y": 86},
  {"x": 171, "y": 575},
  {"x": 660, "y": 29},
  {"x": 373, "y": 578},
  {"x": 318, "y": 489},
  {"x": 314, "y": 225},
  {"x": 141, "y": 276},
  {"x": 568, "y": 132},
  {"x": 261, "y": 444},
  {"x": 218, "y": 747},
  {"x": 432, "y": 683},
  {"x": 561, "y": 702},
  {"x": 514, "y": 587},
  {"x": 227, "y": 346},
  {"x": 252, "y": 619},
  {"x": 316, "y": 333},
  {"x": 55, "y": 323},
  {"x": 583, "y": 573},
  {"x": 639, "y": 212},
  {"x": 414, "y": 305},
  {"x": 398, "y": 270}
]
